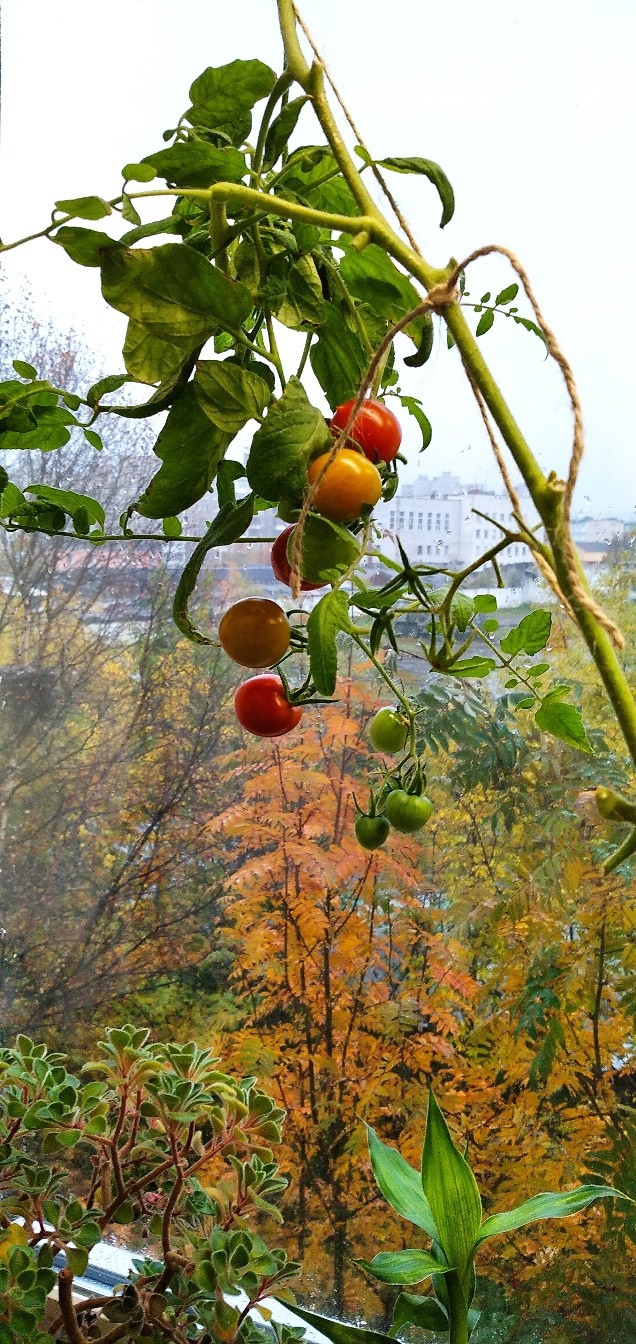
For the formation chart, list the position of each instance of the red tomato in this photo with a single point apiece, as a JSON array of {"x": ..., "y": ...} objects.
[
  {"x": 375, "y": 428},
  {"x": 281, "y": 565},
  {"x": 262, "y": 707}
]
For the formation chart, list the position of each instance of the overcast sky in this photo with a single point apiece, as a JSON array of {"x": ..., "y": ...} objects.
[{"x": 530, "y": 109}]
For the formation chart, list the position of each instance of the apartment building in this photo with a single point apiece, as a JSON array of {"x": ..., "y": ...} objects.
[{"x": 440, "y": 519}]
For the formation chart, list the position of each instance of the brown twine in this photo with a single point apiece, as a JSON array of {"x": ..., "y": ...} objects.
[
  {"x": 374, "y": 168},
  {"x": 579, "y": 591}
]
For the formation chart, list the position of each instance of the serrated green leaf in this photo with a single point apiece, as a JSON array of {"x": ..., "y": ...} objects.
[
  {"x": 326, "y": 620},
  {"x": 303, "y": 304},
  {"x": 563, "y": 721},
  {"x": 173, "y": 292},
  {"x": 462, "y": 610},
  {"x": 281, "y": 129},
  {"x": 191, "y": 448},
  {"x": 485, "y": 322},
  {"x": 403, "y": 1267},
  {"x": 530, "y": 635},
  {"x": 149, "y": 359},
  {"x": 472, "y": 667},
  {"x": 434, "y": 173},
  {"x": 231, "y": 522},
  {"x": 193, "y": 163},
  {"x": 326, "y": 545},
  {"x": 230, "y": 394},
  {"x": 223, "y": 96},
  {"x": 400, "y": 1184},
  {"x": 292, "y": 433},
  {"x": 507, "y": 295},
  {"x": 69, "y": 501},
  {"x": 83, "y": 246},
  {"x": 85, "y": 207},
  {"x": 484, "y": 602},
  {"x": 451, "y": 1190},
  {"x": 413, "y": 407},
  {"x": 337, "y": 359}
]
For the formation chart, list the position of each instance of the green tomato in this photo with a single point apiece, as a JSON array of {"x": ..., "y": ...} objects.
[
  {"x": 371, "y": 832},
  {"x": 407, "y": 811},
  {"x": 388, "y": 730}
]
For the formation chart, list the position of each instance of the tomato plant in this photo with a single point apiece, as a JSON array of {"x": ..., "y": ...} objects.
[
  {"x": 389, "y": 730},
  {"x": 255, "y": 632},
  {"x": 349, "y": 484},
  {"x": 281, "y": 565},
  {"x": 262, "y": 707},
  {"x": 407, "y": 812},
  {"x": 375, "y": 428}
]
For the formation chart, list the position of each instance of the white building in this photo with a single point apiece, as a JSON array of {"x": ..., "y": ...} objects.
[
  {"x": 439, "y": 519},
  {"x": 598, "y": 531}
]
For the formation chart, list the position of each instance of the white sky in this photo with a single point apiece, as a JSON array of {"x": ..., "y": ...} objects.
[{"x": 529, "y": 107}]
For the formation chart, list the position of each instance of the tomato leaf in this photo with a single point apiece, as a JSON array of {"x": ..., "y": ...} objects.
[
  {"x": 281, "y": 129},
  {"x": 292, "y": 433},
  {"x": 412, "y": 405},
  {"x": 563, "y": 721},
  {"x": 83, "y": 246},
  {"x": 151, "y": 360},
  {"x": 229, "y": 394},
  {"x": 485, "y": 322},
  {"x": 484, "y": 602},
  {"x": 190, "y": 448},
  {"x": 424, "y": 350},
  {"x": 329, "y": 616},
  {"x": 231, "y": 522},
  {"x": 451, "y": 1190},
  {"x": 173, "y": 292},
  {"x": 303, "y": 303},
  {"x": 530, "y": 635},
  {"x": 400, "y": 1184},
  {"x": 193, "y": 163},
  {"x": 434, "y": 173},
  {"x": 403, "y": 1267},
  {"x": 373, "y": 278},
  {"x": 85, "y": 207},
  {"x": 223, "y": 96},
  {"x": 337, "y": 359},
  {"x": 337, "y": 1331},
  {"x": 326, "y": 546},
  {"x": 507, "y": 295},
  {"x": 472, "y": 667},
  {"x": 69, "y": 501}
]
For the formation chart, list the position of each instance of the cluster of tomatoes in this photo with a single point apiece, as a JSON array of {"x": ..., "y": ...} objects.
[{"x": 256, "y": 633}]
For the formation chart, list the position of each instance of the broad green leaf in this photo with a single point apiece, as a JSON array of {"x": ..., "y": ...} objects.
[
  {"x": 413, "y": 407},
  {"x": 11, "y": 500},
  {"x": 151, "y": 360},
  {"x": 227, "y": 474},
  {"x": 191, "y": 448},
  {"x": 462, "y": 610},
  {"x": 231, "y": 522},
  {"x": 329, "y": 616},
  {"x": 451, "y": 1190},
  {"x": 373, "y": 278},
  {"x": 85, "y": 207},
  {"x": 69, "y": 501},
  {"x": 472, "y": 667},
  {"x": 172, "y": 527},
  {"x": 230, "y": 394},
  {"x": 77, "y": 1259},
  {"x": 173, "y": 292},
  {"x": 337, "y": 359},
  {"x": 560, "y": 1205},
  {"x": 138, "y": 172},
  {"x": 292, "y": 433},
  {"x": 193, "y": 163},
  {"x": 403, "y": 1267},
  {"x": 400, "y": 1184},
  {"x": 111, "y": 383},
  {"x": 425, "y": 1312},
  {"x": 281, "y": 129},
  {"x": 94, "y": 439},
  {"x": 563, "y": 721},
  {"x": 326, "y": 546},
  {"x": 434, "y": 173},
  {"x": 530, "y": 635},
  {"x": 83, "y": 246},
  {"x": 24, "y": 370},
  {"x": 507, "y": 295},
  {"x": 224, "y": 94},
  {"x": 485, "y": 322},
  {"x": 484, "y": 602},
  {"x": 303, "y": 303},
  {"x": 49, "y": 435},
  {"x": 337, "y": 1331}
]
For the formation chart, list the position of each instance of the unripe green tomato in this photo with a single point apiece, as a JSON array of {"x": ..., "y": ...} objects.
[
  {"x": 371, "y": 832},
  {"x": 388, "y": 730},
  {"x": 407, "y": 811}
]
